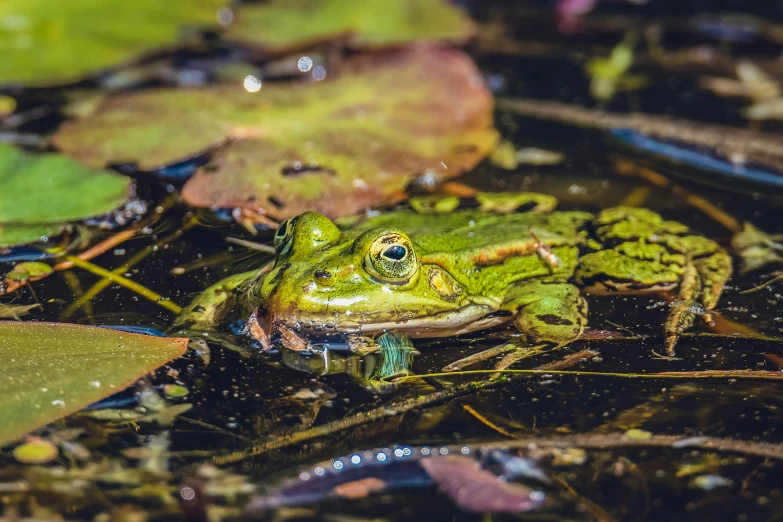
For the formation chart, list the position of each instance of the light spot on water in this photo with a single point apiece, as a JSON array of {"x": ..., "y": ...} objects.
[
  {"x": 319, "y": 73},
  {"x": 537, "y": 496},
  {"x": 305, "y": 63},
  {"x": 252, "y": 84},
  {"x": 224, "y": 16},
  {"x": 187, "y": 493}
]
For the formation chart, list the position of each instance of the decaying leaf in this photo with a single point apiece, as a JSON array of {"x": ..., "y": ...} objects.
[
  {"x": 86, "y": 36},
  {"x": 11, "y": 311},
  {"x": 478, "y": 490},
  {"x": 287, "y": 24},
  {"x": 336, "y": 146},
  {"x": 52, "y": 369},
  {"x": 42, "y": 192}
]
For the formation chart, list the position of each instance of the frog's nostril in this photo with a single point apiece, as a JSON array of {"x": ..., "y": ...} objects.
[{"x": 322, "y": 274}]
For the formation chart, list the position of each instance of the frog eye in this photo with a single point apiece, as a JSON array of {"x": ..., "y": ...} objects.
[
  {"x": 391, "y": 259},
  {"x": 283, "y": 234}
]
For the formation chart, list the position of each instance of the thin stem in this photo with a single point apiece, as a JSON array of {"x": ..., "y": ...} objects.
[
  {"x": 486, "y": 422},
  {"x": 101, "y": 285},
  {"x": 127, "y": 283},
  {"x": 754, "y": 375},
  {"x": 386, "y": 411}
]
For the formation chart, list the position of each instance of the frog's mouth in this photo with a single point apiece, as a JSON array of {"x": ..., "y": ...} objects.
[{"x": 473, "y": 317}]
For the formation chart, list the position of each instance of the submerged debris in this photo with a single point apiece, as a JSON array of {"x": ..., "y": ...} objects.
[{"x": 476, "y": 480}]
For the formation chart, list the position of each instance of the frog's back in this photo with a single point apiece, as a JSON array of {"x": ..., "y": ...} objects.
[{"x": 470, "y": 229}]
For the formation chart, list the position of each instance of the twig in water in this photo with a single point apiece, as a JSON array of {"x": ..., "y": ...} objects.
[
  {"x": 127, "y": 283},
  {"x": 252, "y": 245},
  {"x": 386, "y": 411},
  {"x": 139, "y": 256},
  {"x": 596, "y": 511},
  {"x": 753, "y": 375},
  {"x": 762, "y": 286},
  {"x": 103, "y": 246},
  {"x": 486, "y": 422},
  {"x": 627, "y": 168}
]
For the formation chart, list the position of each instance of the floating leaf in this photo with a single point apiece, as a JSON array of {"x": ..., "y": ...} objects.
[
  {"x": 28, "y": 271},
  {"x": 175, "y": 391},
  {"x": 51, "y": 369},
  {"x": 36, "y": 451},
  {"x": 286, "y": 24},
  {"x": 505, "y": 156},
  {"x": 478, "y": 490},
  {"x": 86, "y": 36},
  {"x": 755, "y": 248},
  {"x": 336, "y": 146},
  {"x": 43, "y": 191}
]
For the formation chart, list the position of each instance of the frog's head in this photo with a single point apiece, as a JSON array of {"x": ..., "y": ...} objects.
[{"x": 325, "y": 279}]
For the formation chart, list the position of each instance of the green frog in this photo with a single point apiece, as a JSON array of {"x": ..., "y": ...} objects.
[{"x": 430, "y": 275}]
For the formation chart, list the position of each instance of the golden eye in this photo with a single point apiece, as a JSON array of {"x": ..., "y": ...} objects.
[{"x": 391, "y": 259}]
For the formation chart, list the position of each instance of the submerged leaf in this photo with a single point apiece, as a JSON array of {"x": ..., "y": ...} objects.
[
  {"x": 336, "y": 146},
  {"x": 51, "y": 369},
  {"x": 755, "y": 248},
  {"x": 46, "y": 43},
  {"x": 286, "y": 24},
  {"x": 15, "y": 311},
  {"x": 478, "y": 490},
  {"x": 43, "y": 191}
]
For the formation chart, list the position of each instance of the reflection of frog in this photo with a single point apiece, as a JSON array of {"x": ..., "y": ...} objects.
[{"x": 440, "y": 275}]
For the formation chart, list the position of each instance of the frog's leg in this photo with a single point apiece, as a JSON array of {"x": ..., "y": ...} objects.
[
  {"x": 702, "y": 284},
  {"x": 635, "y": 267},
  {"x": 548, "y": 314}
]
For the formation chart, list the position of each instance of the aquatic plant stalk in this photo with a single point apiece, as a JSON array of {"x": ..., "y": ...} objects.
[
  {"x": 101, "y": 285},
  {"x": 127, "y": 283}
]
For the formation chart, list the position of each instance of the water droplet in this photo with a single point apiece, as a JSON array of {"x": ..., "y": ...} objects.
[
  {"x": 224, "y": 16},
  {"x": 305, "y": 63},
  {"x": 252, "y": 84},
  {"x": 319, "y": 73}
]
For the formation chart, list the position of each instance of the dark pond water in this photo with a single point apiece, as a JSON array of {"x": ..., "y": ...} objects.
[{"x": 241, "y": 401}]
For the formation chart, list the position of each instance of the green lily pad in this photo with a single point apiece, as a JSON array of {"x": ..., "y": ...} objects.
[
  {"x": 338, "y": 146},
  {"x": 288, "y": 24},
  {"x": 50, "y": 43},
  {"x": 11, "y": 235},
  {"x": 44, "y": 191},
  {"x": 52, "y": 369}
]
